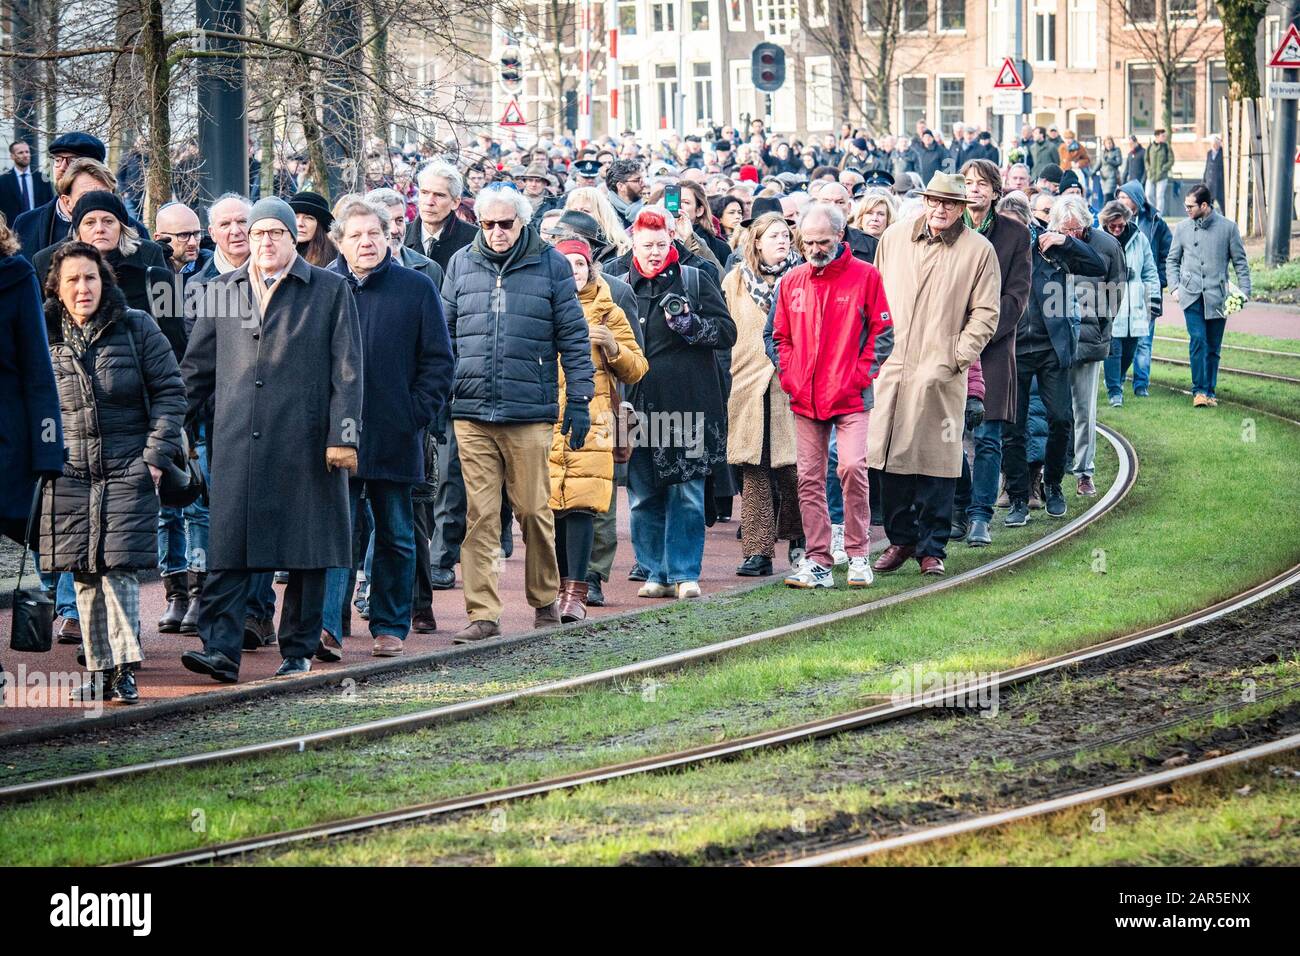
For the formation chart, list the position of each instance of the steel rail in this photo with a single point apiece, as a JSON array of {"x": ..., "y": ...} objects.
[
  {"x": 1237, "y": 348},
  {"x": 1124, "y": 479},
  {"x": 1249, "y": 373}
]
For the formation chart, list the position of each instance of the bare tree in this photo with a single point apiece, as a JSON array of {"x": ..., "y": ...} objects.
[
  {"x": 1168, "y": 34},
  {"x": 1241, "y": 19}
]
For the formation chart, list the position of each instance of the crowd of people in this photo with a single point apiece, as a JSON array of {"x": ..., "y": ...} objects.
[{"x": 359, "y": 393}]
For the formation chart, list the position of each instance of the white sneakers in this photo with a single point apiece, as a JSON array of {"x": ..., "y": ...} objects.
[
  {"x": 838, "y": 554},
  {"x": 860, "y": 575},
  {"x": 810, "y": 574},
  {"x": 683, "y": 589}
]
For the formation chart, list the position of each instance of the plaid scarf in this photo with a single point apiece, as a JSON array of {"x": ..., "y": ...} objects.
[{"x": 758, "y": 287}]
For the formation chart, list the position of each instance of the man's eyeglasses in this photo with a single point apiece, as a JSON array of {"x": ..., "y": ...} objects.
[
  {"x": 274, "y": 235},
  {"x": 945, "y": 203},
  {"x": 505, "y": 225},
  {"x": 183, "y": 236}
]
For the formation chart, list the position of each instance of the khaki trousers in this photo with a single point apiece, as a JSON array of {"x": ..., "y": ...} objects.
[{"x": 517, "y": 456}]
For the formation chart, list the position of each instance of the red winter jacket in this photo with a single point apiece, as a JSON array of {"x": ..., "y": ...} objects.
[{"x": 832, "y": 333}]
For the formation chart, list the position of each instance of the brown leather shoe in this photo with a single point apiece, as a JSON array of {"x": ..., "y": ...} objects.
[
  {"x": 258, "y": 633},
  {"x": 893, "y": 558},
  {"x": 423, "y": 622},
  {"x": 573, "y": 601},
  {"x": 932, "y": 565},
  {"x": 477, "y": 631},
  {"x": 70, "y": 631},
  {"x": 386, "y": 645},
  {"x": 330, "y": 649},
  {"x": 546, "y": 616}
]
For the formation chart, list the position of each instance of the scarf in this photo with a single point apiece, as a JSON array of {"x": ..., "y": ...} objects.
[
  {"x": 528, "y": 237},
  {"x": 669, "y": 260},
  {"x": 223, "y": 265},
  {"x": 759, "y": 289},
  {"x": 78, "y": 337},
  {"x": 257, "y": 282},
  {"x": 985, "y": 226}
]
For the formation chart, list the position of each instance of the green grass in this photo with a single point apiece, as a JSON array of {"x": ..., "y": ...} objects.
[
  {"x": 1264, "y": 279},
  {"x": 1177, "y": 543},
  {"x": 1280, "y": 398},
  {"x": 1250, "y": 361},
  {"x": 1178, "y": 331}
]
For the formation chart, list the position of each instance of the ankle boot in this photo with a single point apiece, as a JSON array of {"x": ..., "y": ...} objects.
[
  {"x": 190, "y": 623},
  {"x": 124, "y": 688},
  {"x": 1037, "y": 494},
  {"x": 562, "y": 598},
  {"x": 573, "y": 603},
  {"x": 178, "y": 603}
]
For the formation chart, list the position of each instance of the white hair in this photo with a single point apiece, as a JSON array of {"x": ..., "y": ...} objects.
[
  {"x": 494, "y": 195},
  {"x": 443, "y": 170},
  {"x": 243, "y": 200},
  {"x": 834, "y": 216},
  {"x": 386, "y": 196},
  {"x": 352, "y": 208},
  {"x": 1066, "y": 208}
]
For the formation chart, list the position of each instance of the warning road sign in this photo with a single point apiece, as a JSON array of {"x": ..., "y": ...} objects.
[
  {"x": 1287, "y": 54},
  {"x": 1009, "y": 77},
  {"x": 514, "y": 115}
]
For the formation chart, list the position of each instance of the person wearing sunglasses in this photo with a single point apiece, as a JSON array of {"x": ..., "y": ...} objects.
[{"x": 512, "y": 310}]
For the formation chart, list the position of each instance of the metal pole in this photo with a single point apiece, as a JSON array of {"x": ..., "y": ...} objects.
[
  {"x": 681, "y": 67},
  {"x": 1282, "y": 181},
  {"x": 584, "y": 104},
  {"x": 223, "y": 117},
  {"x": 1020, "y": 58}
]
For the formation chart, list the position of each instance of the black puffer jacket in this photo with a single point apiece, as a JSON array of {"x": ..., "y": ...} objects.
[
  {"x": 508, "y": 323},
  {"x": 1100, "y": 298},
  {"x": 102, "y": 515}
]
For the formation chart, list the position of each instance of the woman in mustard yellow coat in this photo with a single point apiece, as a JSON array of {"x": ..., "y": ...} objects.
[{"x": 582, "y": 480}]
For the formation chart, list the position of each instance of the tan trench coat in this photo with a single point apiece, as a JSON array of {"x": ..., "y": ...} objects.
[
  {"x": 945, "y": 297},
  {"x": 753, "y": 375}
]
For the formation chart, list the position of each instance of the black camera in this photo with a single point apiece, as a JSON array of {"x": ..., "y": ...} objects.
[{"x": 675, "y": 304}]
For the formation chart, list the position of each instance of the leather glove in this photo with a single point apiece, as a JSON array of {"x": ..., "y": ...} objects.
[
  {"x": 439, "y": 426},
  {"x": 974, "y": 413},
  {"x": 338, "y": 456},
  {"x": 576, "y": 423}
]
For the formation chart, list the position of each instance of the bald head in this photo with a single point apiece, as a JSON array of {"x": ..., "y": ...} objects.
[
  {"x": 835, "y": 194},
  {"x": 179, "y": 225}
]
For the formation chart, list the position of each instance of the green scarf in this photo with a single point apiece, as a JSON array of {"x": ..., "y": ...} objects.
[{"x": 985, "y": 226}]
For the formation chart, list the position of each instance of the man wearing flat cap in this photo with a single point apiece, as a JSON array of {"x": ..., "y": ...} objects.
[
  {"x": 944, "y": 285},
  {"x": 536, "y": 180},
  {"x": 277, "y": 342}
]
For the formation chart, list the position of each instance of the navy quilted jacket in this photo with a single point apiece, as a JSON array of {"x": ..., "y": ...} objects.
[{"x": 508, "y": 324}]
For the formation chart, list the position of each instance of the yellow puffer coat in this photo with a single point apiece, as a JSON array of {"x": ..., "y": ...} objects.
[{"x": 585, "y": 478}]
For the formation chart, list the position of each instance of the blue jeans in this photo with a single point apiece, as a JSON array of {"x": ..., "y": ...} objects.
[
  {"x": 65, "y": 596},
  {"x": 1123, "y": 351},
  {"x": 1142, "y": 362},
  {"x": 987, "y": 437},
  {"x": 834, "y": 493},
  {"x": 667, "y": 523},
  {"x": 394, "y": 562},
  {"x": 261, "y": 595},
  {"x": 1206, "y": 336},
  {"x": 183, "y": 532}
]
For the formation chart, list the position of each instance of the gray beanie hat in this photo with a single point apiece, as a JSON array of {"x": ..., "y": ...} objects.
[{"x": 273, "y": 208}]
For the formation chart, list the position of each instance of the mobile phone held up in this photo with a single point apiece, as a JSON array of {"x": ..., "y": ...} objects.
[{"x": 673, "y": 198}]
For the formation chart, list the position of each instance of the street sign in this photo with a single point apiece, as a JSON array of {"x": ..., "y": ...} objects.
[
  {"x": 1009, "y": 77},
  {"x": 1287, "y": 54},
  {"x": 1279, "y": 90},
  {"x": 1010, "y": 103},
  {"x": 514, "y": 116}
]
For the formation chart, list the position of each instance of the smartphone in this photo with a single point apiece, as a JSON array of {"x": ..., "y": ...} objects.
[{"x": 673, "y": 198}]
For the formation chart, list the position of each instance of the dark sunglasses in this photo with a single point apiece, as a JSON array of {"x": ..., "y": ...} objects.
[{"x": 490, "y": 224}]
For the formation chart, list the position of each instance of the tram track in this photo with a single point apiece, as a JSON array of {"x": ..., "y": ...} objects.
[{"x": 1249, "y": 373}]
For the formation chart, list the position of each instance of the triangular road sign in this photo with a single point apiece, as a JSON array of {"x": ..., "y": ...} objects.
[
  {"x": 514, "y": 115},
  {"x": 1008, "y": 77},
  {"x": 1287, "y": 54}
]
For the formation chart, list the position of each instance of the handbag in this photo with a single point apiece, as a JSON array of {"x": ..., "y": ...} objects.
[
  {"x": 620, "y": 412},
  {"x": 33, "y": 610},
  {"x": 181, "y": 484}
]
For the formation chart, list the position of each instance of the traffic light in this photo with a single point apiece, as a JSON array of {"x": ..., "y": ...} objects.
[
  {"x": 768, "y": 67},
  {"x": 512, "y": 70}
]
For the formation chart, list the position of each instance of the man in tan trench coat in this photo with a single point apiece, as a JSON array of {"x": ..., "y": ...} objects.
[{"x": 943, "y": 283}]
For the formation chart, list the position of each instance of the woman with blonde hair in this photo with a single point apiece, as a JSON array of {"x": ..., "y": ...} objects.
[
  {"x": 593, "y": 202},
  {"x": 760, "y": 430},
  {"x": 875, "y": 213}
]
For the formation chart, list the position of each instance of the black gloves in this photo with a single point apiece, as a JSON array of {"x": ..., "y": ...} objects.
[
  {"x": 576, "y": 423},
  {"x": 974, "y": 413}
]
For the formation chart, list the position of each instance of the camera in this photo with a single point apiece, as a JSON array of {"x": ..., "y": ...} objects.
[{"x": 675, "y": 304}]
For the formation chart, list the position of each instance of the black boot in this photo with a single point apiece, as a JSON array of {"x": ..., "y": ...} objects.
[
  {"x": 595, "y": 596},
  {"x": 124, "y": 688},
  {"x": 190, "y": 623},
  {"x": 178, "y": 603},
  {"x": 99, "y": 687}
]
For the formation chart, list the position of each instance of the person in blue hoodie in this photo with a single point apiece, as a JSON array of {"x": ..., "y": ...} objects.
[{"x": 1153, "y": 226}]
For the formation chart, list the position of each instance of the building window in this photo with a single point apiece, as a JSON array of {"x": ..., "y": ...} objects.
[
  {"x": 663, "y": 17},
  {"x": 952, "y": 101},
  {"x": 742, "y": 94},
  {"x": 775, "y": 17},
  {"x": 1083, "y": 34},
  {"x": 666, "y": 94},
  {"x": 1000, "y": 31},
  {"x": 702, "y": 77},
  {"x": 1140, "y": 11},
  {"x": 873, "y": 15},
  {"x": 700, "y": 14},
  {"x": 820, "y": 98},
  {"x": 915, "y": 14},
  {"x": 1085, "y": 126},
  {"x": 1044, "y": 27},
  {"x": 818, "y": 13},
  {"x": 736, "y": 15},
  {"x": 911, "y": 102},
  {"x": 1182, "y": 10},
  {"x": 630, "y": 93},
  {"x": 1212, "y": 10},
  {"x": 952, "y": 15},
  {"x": 1218, "y": 94},
  {"x": 1141, "y": 99},
  {"x": 627, "y": 17},
  {"x": 1184, "y": 105}
]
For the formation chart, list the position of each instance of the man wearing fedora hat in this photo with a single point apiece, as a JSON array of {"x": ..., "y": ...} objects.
[
  {"x": 944, "y": 285},
  {"x": 536, "y": 179}
]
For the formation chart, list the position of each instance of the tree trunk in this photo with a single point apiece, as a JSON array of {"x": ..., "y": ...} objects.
[
  {"x": 266, "y": 172},
  {"x": 1241, "y": 20},
  {"x": 341, "y": 121},
  {"x": 307, "y": 116},
  {"x": 383, "y": 119},
  {"x": 51, "y": 91},
  {"x": 157, "y": 75}
]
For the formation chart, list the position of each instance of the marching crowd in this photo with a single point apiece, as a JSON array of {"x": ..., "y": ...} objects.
[{"x": 360, "y": 393}]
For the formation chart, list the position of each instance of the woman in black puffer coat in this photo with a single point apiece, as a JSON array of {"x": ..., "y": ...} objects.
[{"x": 122, "y": 402}]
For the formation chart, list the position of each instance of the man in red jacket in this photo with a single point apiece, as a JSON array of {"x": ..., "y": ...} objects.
[{"x": 831, "y": 330}]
